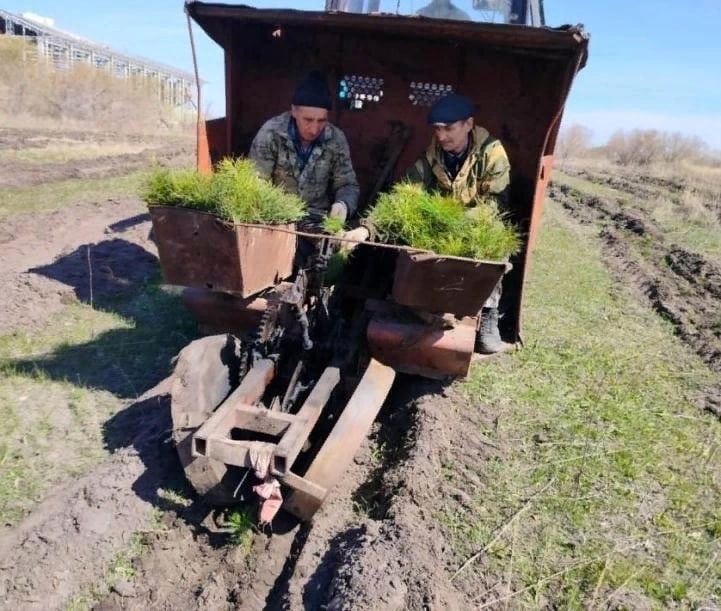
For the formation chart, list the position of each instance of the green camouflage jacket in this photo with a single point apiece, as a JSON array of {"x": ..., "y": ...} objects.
[
  {"x": 328, "y": 175},
  {"x": 483, "y": 178}
]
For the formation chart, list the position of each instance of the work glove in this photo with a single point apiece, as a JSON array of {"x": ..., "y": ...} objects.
[
  {"x": 339, "y": 211},
  {"x": 360, "y": 234}
]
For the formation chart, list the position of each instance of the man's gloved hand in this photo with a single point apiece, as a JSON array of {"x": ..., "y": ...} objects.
[
  {"x": 339, "y": 211},
  {"x": 359, "y": 234}
]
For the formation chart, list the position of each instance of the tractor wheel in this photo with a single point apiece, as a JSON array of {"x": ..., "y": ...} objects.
[{"x": 205, "y": 373}]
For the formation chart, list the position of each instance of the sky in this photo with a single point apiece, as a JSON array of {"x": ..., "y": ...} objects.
[{"x": 653, "y": 64}]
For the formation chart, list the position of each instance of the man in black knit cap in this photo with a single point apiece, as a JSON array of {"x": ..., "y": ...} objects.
[{"x": 301, "y": 151}]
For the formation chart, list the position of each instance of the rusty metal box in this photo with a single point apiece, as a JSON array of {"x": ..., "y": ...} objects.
[
  {"x": 200, "y": 250},
  {"x": 436, "y": 283}
]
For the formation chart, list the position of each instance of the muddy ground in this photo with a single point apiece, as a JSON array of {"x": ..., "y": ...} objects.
[{"x": 374, "y": 545}]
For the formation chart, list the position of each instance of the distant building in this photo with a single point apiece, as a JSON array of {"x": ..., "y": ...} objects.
[{"x": 64, "y": 50}]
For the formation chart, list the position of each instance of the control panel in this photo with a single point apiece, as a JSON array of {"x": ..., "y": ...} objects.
[
  {"x": 357, "y": 91},
  {"x": 427, "y": 94}
]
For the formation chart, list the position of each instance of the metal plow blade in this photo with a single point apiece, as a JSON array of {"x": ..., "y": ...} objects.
[{"x": 344, "y": 440}]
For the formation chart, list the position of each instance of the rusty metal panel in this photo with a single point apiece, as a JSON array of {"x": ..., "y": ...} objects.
[
  {"x": 202, "y": 150},
  {"x": 215, "y": 19},
  {"x": 422, "y": 349},
  {"x": 222, "y": 312},
  {"x": 199, "y": 250},
  {"x": 444, "y": 284},
  {"x": 217, "y": 138},
  {"x": 344, "y": 440},
  {"x": 518, "y": 76}
]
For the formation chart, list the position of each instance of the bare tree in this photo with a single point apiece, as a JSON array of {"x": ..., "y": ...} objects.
[
  {"x": 573, "y": 142},
  {"x": 645, "y": 147}
]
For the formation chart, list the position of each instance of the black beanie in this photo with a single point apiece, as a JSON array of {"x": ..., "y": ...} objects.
[{"x": 313, "y": 91}]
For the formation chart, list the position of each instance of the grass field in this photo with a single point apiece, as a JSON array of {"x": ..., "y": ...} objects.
[
  {"x": 54, "y": 196},
  {"x": 609, "y": 485},
  {"x": 603, "y": 489},
  {"x": 59, "y": 388}
]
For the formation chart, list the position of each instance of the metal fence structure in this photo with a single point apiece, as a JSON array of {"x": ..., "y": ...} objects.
[{"x": 65, "y": 50}]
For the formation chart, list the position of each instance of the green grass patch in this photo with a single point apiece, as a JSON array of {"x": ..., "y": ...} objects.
[
  {"x": 429, "y": 221},
  {"x": 57, "y": 195},
  {"x": 587, "y": 186},
  {"x": 608, "y": 479},
  {"x": 241, "y": 524},
  {"x": 235, "y": 192},
  {"x": 65, "y": 150},
  {"x": 62, "y": 391}
]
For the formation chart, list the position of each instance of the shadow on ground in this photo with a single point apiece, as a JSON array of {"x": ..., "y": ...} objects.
[
  {"x": 123, "y": 278},
  {"x": 101, "y": 273}
]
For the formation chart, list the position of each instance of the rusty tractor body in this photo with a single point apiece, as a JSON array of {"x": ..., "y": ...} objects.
[{"x": 297, "y": 366}]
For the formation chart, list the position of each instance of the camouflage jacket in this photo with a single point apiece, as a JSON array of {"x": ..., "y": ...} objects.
[
  {"x": 483, "y": 177},
  {"x": 328, "y": 175}
]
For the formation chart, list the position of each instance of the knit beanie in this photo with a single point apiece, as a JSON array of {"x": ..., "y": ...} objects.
[{"x": 313, "y": 91}]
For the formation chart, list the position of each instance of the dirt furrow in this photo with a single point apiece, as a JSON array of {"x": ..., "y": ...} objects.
[
  {"x": 682, "y": 286},
  {"x": 67, "y": 543},
  {"x": 373, "y": 545}
]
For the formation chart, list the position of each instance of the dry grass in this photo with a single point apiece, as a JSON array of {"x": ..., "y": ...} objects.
[
  {"x": 81, "y": 97},
  {"x": 70, "y": 150}
]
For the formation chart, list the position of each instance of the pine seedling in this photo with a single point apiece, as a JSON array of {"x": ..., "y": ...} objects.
[{"x": 333, "y": 225}]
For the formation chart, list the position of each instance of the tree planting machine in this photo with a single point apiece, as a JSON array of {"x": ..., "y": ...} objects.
[{"x": 298, "y": 360}]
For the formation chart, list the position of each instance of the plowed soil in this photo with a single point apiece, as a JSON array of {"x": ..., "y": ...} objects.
[{"x": 374, "y": 545}]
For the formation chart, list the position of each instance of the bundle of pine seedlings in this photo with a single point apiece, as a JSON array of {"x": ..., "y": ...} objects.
[
  {"x": 235, "y": 192},
  {"x": 411, "y": 216}
]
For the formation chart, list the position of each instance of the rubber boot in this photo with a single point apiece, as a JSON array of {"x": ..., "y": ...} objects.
[{"x": 488, "y": 339}]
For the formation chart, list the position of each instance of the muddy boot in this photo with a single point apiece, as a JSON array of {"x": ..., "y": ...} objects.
[{"x": 488, "y": 339}]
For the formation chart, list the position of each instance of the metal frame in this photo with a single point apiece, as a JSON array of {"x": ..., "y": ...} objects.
[
  {"x": 66, "y": 50},
  {"x": 523, "y": 12}
]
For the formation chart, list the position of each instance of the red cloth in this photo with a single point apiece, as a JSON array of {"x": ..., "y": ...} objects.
[{"x": 269, "y": 491}]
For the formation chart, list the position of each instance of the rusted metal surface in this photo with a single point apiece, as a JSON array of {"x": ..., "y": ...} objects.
[
  {"x": 222, "y": 312},
  {"x": 199, "y": 250},
  {"x": 304, "y": 486},
  {"x": 214, "y": 18},
  {"x": 250, "y": 390},
  {"x": 290, "y": 445},
  {"x": 444, "y": 284},
  {"x": 262, "y": 431},
  {"x": 262, "y": 426},
  {"x": 346, "y": 437},
  {"x": 422, "y": 349},
  {"x": 518, "y": 76},
  {"x": 202, "y": 147},
  {"x": 214, "y": 142}
]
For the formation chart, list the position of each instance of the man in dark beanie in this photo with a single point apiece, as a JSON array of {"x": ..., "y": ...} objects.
[
  {"x": 467, "y": 163},
  {"x": 301, "y": 151}
]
